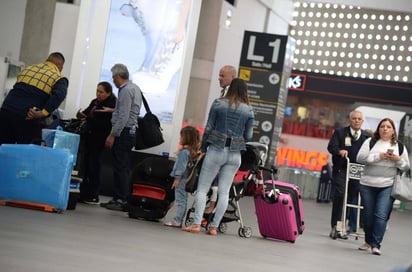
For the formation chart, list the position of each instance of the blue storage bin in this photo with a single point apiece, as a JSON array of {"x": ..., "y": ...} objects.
[
  {"x": 59, "y": 139},
  {"x": 35, "y": 174}
]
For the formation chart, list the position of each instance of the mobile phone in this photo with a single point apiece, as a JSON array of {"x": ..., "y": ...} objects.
[{"x": 389, "y": 151}]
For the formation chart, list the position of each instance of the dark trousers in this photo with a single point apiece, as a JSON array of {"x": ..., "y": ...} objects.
[
  {"x": 92, "y": 177},
  {"x": 16, "y": 129},
  {"x": 121, "y": 150},
  {"x": 338, "y": 194}
]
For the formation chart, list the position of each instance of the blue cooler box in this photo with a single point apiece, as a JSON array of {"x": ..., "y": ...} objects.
[
  {"x": 59, "y": 139},
  {"x": 35, "y": 174}
]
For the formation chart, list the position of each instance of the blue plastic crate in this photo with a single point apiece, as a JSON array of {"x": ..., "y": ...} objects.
[
  {"x": 35, "y": 174},
  {"x": 59, "y": 139}
]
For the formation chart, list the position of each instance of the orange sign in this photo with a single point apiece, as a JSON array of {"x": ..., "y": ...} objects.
[{"x": 310, "y": 160}]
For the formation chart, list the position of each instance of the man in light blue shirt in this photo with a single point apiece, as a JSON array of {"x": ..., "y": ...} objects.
[{"x": 123, "y": 134}]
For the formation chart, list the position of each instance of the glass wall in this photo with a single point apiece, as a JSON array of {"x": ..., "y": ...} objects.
[{"x": 314, "y": 117}]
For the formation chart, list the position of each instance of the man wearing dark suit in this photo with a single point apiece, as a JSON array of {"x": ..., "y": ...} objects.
[{"x": 345, "y": 142}]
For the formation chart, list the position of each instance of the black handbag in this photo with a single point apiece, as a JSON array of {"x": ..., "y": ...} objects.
[
  {"x": 149, "y": 132},
  {"x": 77, "y": 126},
  {"x": 194, "y": 173}
]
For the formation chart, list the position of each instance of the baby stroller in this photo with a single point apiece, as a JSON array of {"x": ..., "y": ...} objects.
[{"x": 252, "y": 158}]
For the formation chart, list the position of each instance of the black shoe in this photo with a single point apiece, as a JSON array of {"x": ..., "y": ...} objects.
[
  {"x": 116, "y": 206},
  {"x": 91, "y": 201},
  {"x": 333, "y": 233},
  {"x": 349, "y": 232},
  {"x": 342, "y": 236},
  {"x": 104, "y": 204}
]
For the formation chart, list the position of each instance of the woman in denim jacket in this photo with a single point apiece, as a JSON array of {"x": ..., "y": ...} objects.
[{"x": 229, "y": 126}]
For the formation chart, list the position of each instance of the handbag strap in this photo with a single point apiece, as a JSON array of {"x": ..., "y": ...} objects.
[
  {"x": 146, "y": 105},
  {"x": 407, "y": 173},
  {"x": 195, "y": 165}
]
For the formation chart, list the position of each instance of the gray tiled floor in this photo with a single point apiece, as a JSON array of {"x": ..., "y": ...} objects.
[{"x": 95, "y": 239}]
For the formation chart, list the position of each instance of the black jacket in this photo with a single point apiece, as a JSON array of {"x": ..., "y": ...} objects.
[
  {"x": 337, "y": 143},
  {"x": 99, "y": 123}
]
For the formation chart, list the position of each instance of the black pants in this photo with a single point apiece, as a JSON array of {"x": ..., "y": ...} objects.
[
  {"x": 91, "y": 184},
  {"x": 16, "y": 129},
  {"x": 338, "y": 194},
  {"x": 121, "y": 151}
]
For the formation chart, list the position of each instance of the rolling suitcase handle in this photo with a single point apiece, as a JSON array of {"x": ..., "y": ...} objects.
[{"x": 270, "y": 196}]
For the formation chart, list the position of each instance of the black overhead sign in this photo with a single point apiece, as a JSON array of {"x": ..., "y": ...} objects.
[
  {"x": 262, "y": 50},
  {"x": 350, "y": 89},
  {"x": 265, "y": 65}
]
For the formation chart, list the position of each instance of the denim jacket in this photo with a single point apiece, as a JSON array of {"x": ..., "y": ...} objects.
[
  {"x": 228, "y": 122},
  {"x": 179, "y": 168}
]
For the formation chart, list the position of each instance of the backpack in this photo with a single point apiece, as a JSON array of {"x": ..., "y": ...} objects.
[{"x": 400, "y": 146}]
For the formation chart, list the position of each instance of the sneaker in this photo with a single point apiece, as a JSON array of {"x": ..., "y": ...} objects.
[
  {"x": 376, "y": 251},
  {"x": 116, "y": 206},
  {"x": 364, "y": 247},
  {"x": 104, "y": 204},
  {"x": 91, "y": 201},
  {"x": 342, "y": 236}
]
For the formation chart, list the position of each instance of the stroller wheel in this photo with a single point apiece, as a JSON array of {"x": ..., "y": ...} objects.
[
  {"x": 222, "y": 227},
  {"x": 189, "y": 221},
  {"x": 246, "y": 231},
  {"x": 241, "y": 232}
]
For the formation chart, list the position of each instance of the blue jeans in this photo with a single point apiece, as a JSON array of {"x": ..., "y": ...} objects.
[
  {"x": 226, "y": 163},
  {"x": 353, "y": 215},
  {"x": 377, "y": 203},
  {"x": 180, "y": 201},
  {"x": 121, "y": 150}
]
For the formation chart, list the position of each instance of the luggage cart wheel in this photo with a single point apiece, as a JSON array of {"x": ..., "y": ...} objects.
[{"x": 222, "y": 227}]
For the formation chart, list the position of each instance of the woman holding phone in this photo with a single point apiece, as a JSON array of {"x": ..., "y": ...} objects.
[{"x": 383, "y": 156}]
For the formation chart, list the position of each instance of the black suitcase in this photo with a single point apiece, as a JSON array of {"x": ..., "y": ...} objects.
[
  {"x": 325, "y": 185},
  {"x": 151, "y": 195}
]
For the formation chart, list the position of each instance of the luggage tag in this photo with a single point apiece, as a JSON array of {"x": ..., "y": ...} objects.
[{"x": 348, "y": 141}]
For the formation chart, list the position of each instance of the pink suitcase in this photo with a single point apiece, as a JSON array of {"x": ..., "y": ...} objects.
[
  {"x": 276, "y": 216},
  {"x": 294, "y": 191}
]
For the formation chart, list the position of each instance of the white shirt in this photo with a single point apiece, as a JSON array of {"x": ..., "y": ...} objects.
[{"x": 380, "y": 173}]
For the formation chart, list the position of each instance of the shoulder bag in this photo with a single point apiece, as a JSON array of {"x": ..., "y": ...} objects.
[
  {"x": 149, "y": 131},
  {"x": 194, "y": 173},
  {"x": 402, "y": 186}
]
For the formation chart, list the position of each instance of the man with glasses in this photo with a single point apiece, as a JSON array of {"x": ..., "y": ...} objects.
[{"x": 123, "y": 134}]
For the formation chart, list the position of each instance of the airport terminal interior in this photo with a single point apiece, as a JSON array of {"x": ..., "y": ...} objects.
[
  {"x": 333, "y": 41},
  {"x": 91, "y": 238}
]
